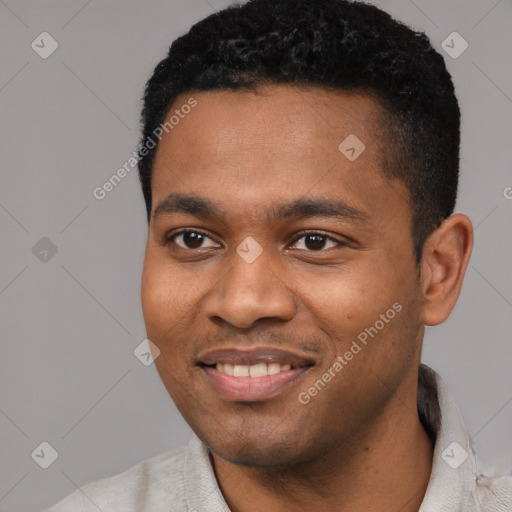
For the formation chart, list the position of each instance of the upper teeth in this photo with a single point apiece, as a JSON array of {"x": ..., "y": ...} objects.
[{"x": 255, "y": 370}]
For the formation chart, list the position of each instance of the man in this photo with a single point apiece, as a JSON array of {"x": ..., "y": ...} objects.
[{"x": 299, "y": 163}]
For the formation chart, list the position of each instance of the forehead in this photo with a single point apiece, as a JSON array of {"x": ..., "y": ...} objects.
[
  {"x": 292, "y": 117},
  {"x": 276, "y": 142}
]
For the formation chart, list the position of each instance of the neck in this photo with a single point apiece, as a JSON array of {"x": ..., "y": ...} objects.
[{"x": 387, "y": 467}]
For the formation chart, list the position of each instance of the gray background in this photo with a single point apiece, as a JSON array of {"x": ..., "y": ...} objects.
[{"x": 69, "y": 325}]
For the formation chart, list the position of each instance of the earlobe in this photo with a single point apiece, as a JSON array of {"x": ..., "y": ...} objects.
[{"x": 444, "y": 262}]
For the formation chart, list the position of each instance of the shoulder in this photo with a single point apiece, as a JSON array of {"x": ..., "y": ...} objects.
[
  {"x": 148, "y": 486},
  {"x": 495, "y": 493}
]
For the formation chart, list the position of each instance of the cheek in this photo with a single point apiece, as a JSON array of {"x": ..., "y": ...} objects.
[
  {"x": 158, "y": 295},
  {"x": 350, "y": 294},
  {"x": 163, "y": 310},
  {"x": 170, "y": 302},
  {"x": 349, "y": 302},
  {"x": 151, "y": 297}
]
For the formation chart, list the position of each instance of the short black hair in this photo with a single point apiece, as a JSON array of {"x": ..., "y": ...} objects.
[{"x": 335, "y": 44}]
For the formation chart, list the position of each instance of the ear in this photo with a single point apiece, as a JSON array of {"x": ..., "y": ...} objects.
[{"x": 444, "y": 262}]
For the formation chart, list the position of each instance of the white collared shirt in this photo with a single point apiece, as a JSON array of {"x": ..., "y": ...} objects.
[{"x": 183, "y": 480}]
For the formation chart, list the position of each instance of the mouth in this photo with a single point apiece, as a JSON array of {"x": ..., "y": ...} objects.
[{"x": 252, "y": 375}]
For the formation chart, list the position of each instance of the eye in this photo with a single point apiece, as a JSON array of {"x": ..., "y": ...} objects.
[
  {"x": 191, "y": 239},
  {"x": 315, "y": 241}
]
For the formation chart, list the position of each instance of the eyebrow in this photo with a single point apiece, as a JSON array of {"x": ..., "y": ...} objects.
[{"x": 297, "y": 209}]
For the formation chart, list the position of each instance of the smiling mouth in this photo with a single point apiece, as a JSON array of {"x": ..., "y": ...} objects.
[
  {"x": 255, "y": 370},
  {"x": 252, "y": 376}
]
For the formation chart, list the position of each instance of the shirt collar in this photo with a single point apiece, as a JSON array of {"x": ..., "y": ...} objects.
[{"x": 452, "y": 484}]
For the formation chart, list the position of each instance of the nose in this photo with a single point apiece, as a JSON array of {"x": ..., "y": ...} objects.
[{"x": 248, "y": 293}]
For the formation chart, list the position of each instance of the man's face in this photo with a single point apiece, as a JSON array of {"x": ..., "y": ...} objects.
[{"x": 292, "y": 250}]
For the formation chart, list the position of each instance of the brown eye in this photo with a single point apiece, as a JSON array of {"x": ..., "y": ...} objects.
[
  {"x": 190, "y": 239},
  {"x": 315, "y": 242}
]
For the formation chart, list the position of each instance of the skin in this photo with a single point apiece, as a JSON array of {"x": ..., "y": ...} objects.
[{"x": 358, "y": 445}]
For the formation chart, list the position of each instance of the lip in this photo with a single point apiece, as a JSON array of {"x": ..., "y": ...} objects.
[
  {"x": 252, "y": 356},
  {"x": 253, "y": 389}
]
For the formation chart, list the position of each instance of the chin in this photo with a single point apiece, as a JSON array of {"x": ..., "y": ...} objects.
[
  {"x": 260, "y": 453},
  {"x": 256, "y": 457}
]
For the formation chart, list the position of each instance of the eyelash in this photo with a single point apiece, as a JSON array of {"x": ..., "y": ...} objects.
[{"x": 170, "y": 239}]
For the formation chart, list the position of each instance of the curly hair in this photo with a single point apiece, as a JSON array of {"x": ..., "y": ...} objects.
[{"x": 335, "y": 44}]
